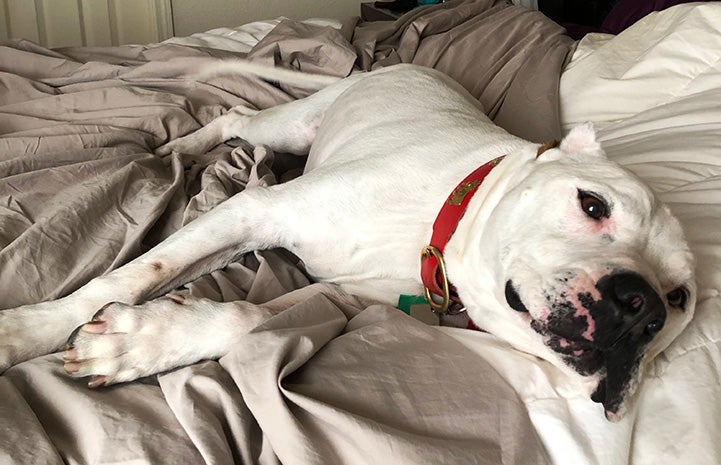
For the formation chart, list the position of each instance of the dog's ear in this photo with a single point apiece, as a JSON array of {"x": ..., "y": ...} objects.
[{"x": 582, "y": 140}]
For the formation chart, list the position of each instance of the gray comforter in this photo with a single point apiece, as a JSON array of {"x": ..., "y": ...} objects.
[{"x": 331, "y": 380}]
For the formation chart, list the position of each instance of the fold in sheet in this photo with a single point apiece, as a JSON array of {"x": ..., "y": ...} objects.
[{"x": 331, "y": 380}]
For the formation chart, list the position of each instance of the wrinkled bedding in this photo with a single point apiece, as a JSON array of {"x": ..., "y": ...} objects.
[
  {"x": 654, "y": 92},
  {"x": 333, "y": 379}
]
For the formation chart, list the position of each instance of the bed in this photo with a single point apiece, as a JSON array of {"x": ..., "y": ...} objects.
[{"x": 339, "y": 380}]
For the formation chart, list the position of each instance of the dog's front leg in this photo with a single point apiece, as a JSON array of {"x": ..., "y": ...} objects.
[
  {"x": 236, "y": 226},
  {"x": 211, "y": 242},
  {"x": 126, "y": 342}
]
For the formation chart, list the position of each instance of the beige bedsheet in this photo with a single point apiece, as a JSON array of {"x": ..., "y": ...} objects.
[{"x": 331, "y": 380}]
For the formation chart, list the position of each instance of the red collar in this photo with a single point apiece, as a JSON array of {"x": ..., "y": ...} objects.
[{"x": 433, "y": 268}]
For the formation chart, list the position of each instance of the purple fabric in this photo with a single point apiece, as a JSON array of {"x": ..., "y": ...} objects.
[
  {"x": 626, "y": 12},
  {"x": 577, "y": 31},
  {"x": 623, "y": 14}
]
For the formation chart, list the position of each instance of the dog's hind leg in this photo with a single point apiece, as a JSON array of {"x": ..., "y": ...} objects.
[{"x": 290, "y": 127}]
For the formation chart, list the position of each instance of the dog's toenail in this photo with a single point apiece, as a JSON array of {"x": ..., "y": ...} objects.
[
  {"x": 72, "y": 367},
  {"x": 177, "y": 298},
  {"x": 95, "y": 327},
  {"x": 70, "y": 354},
  {"x": 96, "y": 381}
]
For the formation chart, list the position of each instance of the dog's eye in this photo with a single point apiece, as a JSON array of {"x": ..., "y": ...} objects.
[
  {"x": 592, "y": 205},
  {"x": 678, "y": 297}
]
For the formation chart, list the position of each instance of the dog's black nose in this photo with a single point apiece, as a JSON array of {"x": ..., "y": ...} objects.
[
  {"x": 629, "y": 314},
  {"x": 629, "y": 308}
]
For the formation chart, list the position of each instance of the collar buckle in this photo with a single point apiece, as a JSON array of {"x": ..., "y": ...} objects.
[
  {"x": 433, "y": 266},
  {"x": 429, "y": 252}
]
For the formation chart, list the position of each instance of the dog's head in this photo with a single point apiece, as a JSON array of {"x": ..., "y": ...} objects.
[{"x": 589, "y": 269}]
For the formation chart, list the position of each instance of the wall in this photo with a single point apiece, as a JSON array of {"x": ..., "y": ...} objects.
[
  {"x": 60, "y": 23},
  {"x": 191, "y": 16}
]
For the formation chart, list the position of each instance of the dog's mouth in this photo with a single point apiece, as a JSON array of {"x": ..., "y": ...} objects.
[{"x": 600, "y": 337}]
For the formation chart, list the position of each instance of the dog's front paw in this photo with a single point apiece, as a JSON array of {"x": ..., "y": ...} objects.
[{"x": 126, "y": 342}]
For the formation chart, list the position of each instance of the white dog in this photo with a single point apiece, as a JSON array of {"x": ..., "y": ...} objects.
[{"x": 559, "y": 251}]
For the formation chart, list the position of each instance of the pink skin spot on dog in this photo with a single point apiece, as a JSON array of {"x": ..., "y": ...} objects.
[
  {"x": 583, "y": 284},
  {"x": 544, "y": 313},
  {"x": 583, "y": 312},
  {"x": 604, "y": 226}
]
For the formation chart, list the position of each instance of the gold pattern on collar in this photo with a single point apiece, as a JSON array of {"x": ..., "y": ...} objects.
[{"x": 456, "y": 198}]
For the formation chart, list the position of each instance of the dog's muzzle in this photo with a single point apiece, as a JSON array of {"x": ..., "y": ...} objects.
[
  {"x": 607, "y": 336},
  {"x": 628, "y": 316}
]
